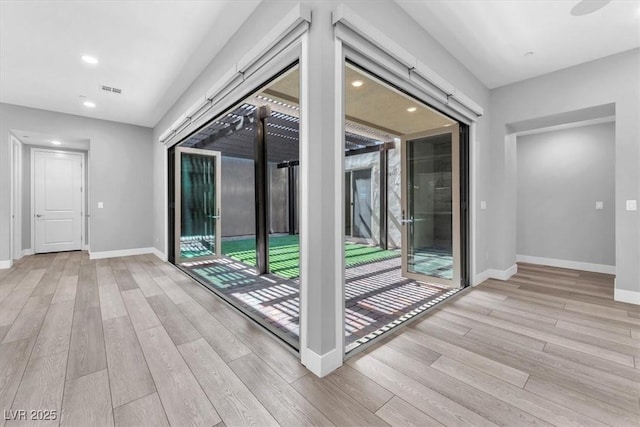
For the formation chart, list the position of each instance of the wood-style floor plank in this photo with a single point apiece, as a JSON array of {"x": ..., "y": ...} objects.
[
  {"x": 268, "y": 349},
  {"x": 66, "y": 290},
  {"x": 55, "y": 333},
  {"x": 231, "y": 398},
  {"x": 148, "y": 286},
  {"x": 86, "y": 350},
  {"x": 12, "y": 305},
  {"x": 111, "y": 303},
  {"x": 286, "y": 405},
  {"x": 129, "y": 375},
  {"x": 515, "y": 396},
  {"x": 87, "y": 290},
  {"x": 441, "y": 408},
  {"x": 499, "y": 370},
  {"x": 41, "y": 388},
  {"x": 484, "y": 404},
  {"x": 178, "y": 327},
  {"x": 13, "y": 361},
  {"x": 397, "y": 412},
  {"x": 146, "y": 411},
  {"x": 223, "y": 341},
  {"x": 548, "y": 337},
  {"x": 28, "y": 322},
  {"x": 183, "y": 399},
  {"x": 368, "y": 393},
  {"x": 337, "y": 405},
  {"x": 141, "y": 313},
  {"x": 579, "y": 403},
  {"x": 172, "y": 290},
  {"x": 87, "y": 402}
]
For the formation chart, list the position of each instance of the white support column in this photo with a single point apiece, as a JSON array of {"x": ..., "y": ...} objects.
[{"x": 321, "y": 176}]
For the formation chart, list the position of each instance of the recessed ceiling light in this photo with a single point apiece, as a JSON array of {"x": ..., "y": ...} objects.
[
  {"x": 411, "y": 109},
  {"x": 357, "y": 83},
  {"x": 89, "y": 104},
  {"x": 530, "y": 53},
  {"x": 89, "y": 59},
  {"x": 585, "y": 7},
  {"x": 54, "y": 142}
]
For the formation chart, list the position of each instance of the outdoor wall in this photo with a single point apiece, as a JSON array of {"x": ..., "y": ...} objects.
[
  {"x": 239, "y": 202},
  {"x": 610, "y": 80},
  {"x": 120, "y": 175},
  {"x": 561, "y": 175},
  {"x": 278, "y": 199},
  {"x": 238, "y": 197},
  {"x": 394, "y": 205}
]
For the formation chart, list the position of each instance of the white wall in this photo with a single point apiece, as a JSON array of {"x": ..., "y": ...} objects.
[
  {"x": 120, "y": 175},
  {"x": 561, "y": 175},
  {"x": 613, "y": 79}
]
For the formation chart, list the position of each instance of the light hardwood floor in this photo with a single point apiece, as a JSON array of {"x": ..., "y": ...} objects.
[{"x": 134, "y": 342}]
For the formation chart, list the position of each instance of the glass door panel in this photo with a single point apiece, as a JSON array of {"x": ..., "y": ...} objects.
[
  {"x": 361, "y": 203},
  {"x": 431, "y": 206},
  {"x": 197, "y": 204}
]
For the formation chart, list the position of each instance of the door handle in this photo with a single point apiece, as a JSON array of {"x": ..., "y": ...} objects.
[
  {"x": 406, "y": 221},
  {"x": 38, "y": 215}
]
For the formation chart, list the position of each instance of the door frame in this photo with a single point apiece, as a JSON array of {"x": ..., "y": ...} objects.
[
  {"x": 456, "y": 226},
  {"x": 353, "y": 206},
  {"x": 16, "y": 197},
  {"x": 178, "y": 201},
  {"x": 83, "y": 194}
]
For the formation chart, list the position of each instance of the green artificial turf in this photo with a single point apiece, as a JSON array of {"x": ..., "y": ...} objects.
[{"x": 284, "y": 254}]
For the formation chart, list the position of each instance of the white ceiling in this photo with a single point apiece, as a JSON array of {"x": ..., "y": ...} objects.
[
  {"x": 49, "y": 141},
  {"x": 152, "y": 50},
  {"x": 491, "y": 37}
]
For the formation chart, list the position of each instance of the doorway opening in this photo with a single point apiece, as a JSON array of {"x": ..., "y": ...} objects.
[
  {"x": 50, "y": 193},
  {"x": 411, "y": 162},
  {"x": 358, "y": 205},
  {"x": 233, "y": 191}
]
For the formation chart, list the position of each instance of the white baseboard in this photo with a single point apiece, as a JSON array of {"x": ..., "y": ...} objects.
[
  {"x": 631, "y": 297},
  {"x": 157, "y": 252},
  {"x": 122, "y": 252},
  {"x": 573, "y": 265},
  {"x": 5, "y": 263},
  {"x": 502, "y": 274},
  {"x": 27, "y": 252},
  {"x": 85, "y": 247},
  {"x": 481, "y": 277},
  {"x": 322, "y": 365}
]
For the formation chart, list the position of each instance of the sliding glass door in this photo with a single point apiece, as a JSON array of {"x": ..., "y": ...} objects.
[
  {"x": 431, "y": 206},
  {"x": 197, "y": 204}
]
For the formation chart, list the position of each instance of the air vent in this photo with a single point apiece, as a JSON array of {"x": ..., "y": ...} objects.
[{"x": 110, "y": 89}]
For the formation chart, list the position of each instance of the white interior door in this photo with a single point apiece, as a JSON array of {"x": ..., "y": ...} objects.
[{"x": 57, "y": 201}]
